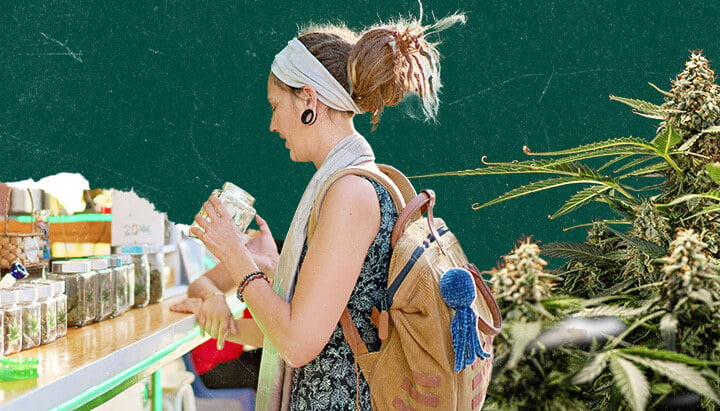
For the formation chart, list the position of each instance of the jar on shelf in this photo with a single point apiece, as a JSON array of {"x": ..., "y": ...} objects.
[
  {"x": 139, "y": 256},
  {"x": 60, "y": 307},
  {"x": 120, "y": 285},
  {"x": 129, "y": 266},
  {"x": 12, "y": 330},
  {"x": 239, "y": 204},
  {"x": 104, "y": 280},
  {"x": 48, "y": 311},
  {"x": 31, "y": 324},
  {"x": 156, "y": 259},
  {"x": 2, "y": 329},
  {"x": 80, "y": 288}
]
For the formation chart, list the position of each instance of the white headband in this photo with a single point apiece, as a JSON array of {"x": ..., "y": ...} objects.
[{"x": 297, "y": 67}]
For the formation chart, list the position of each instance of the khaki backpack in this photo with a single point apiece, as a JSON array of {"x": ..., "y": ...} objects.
[{"x": 414, "y": 368}]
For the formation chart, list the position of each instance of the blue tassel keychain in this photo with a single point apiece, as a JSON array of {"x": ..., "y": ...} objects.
[
  {"x": 17, "y": 272},
  {"x": 458, "y": 291}
]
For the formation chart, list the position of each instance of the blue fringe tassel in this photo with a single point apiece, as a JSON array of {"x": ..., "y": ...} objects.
[{"x": 458, "y": 291}]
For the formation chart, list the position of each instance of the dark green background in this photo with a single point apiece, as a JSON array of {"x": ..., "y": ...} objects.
[{"x": 168, "y": 97}]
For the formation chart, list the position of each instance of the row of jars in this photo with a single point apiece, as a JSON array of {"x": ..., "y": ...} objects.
[
  {"x": 102, "y": 287},
  {"x": 32, "y": 313}
]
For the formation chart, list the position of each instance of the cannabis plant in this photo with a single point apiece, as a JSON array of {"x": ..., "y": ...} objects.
[{"x": 655, "y": 267}]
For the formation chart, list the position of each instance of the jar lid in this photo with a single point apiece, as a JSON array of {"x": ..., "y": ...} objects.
[
  {"x": 98, "y": 263},
  {"x": 44, "y": 290},
  {"x": 237, "y": 192},
  {"x": 27, "y": 294},
  {"x": 129, "y": 249},
  {"x": 58, "y": 287},
  {"x": 9, "y": 296},
  {"x": 71, "y": 266},
  {"x": 114, "y": 260}
]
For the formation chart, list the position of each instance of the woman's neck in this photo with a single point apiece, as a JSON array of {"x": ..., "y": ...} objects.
[{"x": 328, "y": 135}]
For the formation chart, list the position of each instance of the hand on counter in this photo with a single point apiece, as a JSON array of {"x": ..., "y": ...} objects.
[{"x": 213, "y": 316}]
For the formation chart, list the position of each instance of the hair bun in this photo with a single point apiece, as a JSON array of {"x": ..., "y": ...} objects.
[{"x": 390, "y": 61}]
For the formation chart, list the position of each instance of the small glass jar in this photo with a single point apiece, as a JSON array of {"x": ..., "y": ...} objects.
[
  {"x": 141, "y": 294},
  {"x": 48, "y": 311},
  {"x": 80, "y": 288},
  {"x": 239, "y": 204},
  {"x": 2, "y": 329},
  {"x": 104, "y": 280},
  {"x": 119, "y": 274},
  {"x": 61, "y": 307},
  {"x": 12, "y": 331},
  {"x": 156, "y": 259},
  {"x": 31, "y": 323},
  {"x": 129, "y": 266}
]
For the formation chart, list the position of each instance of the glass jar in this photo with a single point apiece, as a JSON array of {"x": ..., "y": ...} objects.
[
  {"x": 239, "y": 204},
  {"x": 61, "y": 307},
  {"x": 80, "y": 288},
  {"x": 2, "y": 329},
  {"x": 31, "y": 325},
  {"x": 12, "y": 330},
  {"x": 129, "y": 266},
  {"x": 119, "y": 274},
  {"x": 104, "y": 280},
  {"x": 156, "y": 259},
  {"x": 48, "y": 311},
  {"x": 141, "y": 294}
]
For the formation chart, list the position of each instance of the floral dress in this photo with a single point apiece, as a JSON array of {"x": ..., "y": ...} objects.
[{"x": 329, "y": 382}]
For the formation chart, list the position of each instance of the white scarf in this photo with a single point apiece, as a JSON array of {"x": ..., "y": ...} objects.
[
  {"x": 275, "y": 381},
  {"x": 297, "y": 67}
]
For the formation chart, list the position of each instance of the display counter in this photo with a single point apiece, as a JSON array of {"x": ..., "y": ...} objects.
[{"x": 94, "y": 363}]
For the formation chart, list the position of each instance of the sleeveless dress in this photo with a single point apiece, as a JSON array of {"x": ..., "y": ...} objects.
[{"x": 329, "y": 382}]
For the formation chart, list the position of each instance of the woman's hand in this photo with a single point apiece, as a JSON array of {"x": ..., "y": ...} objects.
[
  {"x": 219, "y": 233},
  {"x": 213, "y": 316},
  {"x": 188, "y": 305},
  {"x": 263, "y": 248}
]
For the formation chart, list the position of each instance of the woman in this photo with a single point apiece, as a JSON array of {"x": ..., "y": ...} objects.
[{"x": 316, "y": 86}]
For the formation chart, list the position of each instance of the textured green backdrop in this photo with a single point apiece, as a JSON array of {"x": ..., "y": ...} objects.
[{"x": 168, "y": 97}]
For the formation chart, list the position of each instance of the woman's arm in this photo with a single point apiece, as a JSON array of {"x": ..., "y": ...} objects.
[{"x": 346, "y": 228}]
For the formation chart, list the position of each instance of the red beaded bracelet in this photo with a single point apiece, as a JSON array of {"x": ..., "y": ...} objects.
[{"x": 248, "y": 278}]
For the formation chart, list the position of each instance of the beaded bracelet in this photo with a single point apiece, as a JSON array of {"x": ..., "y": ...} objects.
[{"x": 248, "y": 278}]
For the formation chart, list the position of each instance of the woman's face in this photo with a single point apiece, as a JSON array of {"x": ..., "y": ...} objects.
[{"x": 285, "y": 120}]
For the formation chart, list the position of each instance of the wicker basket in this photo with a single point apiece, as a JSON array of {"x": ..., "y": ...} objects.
[{"x": 25, "y": 248}]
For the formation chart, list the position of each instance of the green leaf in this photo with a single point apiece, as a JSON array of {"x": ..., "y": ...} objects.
[
  {"x": 666, "y": 355},
  {"x": 535, "y": 187},
  {"x": 622, "y": 142},
  {"x": 592, "y": 370},
  {"x": 643, "y": 108},
  {"x": 579, "y": 199},
  {"x": 615, "y": 161},
  {"x": 647, "y": 247},
  {"x": 667, "y": 139},
  {"x": 707, "y": 210},
  {"x": 663, "y": 92},
  {"x": 520, "y": 167},
  {"x": 563, "y": 303},
  {"x": 651, "y": 169},
  {"x": 610, "y": 311},
  {"x": 631, "y": 382},
  {"x": 522, "y": 333},
  {"x": 679, "y": 373},
  {"x": 713, "y": 170},
  {"x": 711, "y": 129},
  {"x": 634, "y": 163},
  {"x": 574, "y": 251},
  {"x": 669, "y": 329},
  {"x": 712, "y": 194}
]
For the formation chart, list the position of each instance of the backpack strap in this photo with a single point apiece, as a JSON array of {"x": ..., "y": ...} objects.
[
  {"x": 401, "y": 191},
  {"x": 397, "y": 185}
]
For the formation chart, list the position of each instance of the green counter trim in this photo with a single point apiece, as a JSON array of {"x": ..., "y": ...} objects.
[
  {"x": 75, "y": 218},
  {"x": 111, "y": 387}
]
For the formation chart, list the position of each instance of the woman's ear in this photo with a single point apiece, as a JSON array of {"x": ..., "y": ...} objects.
[{"x": 309, "y": 97}]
